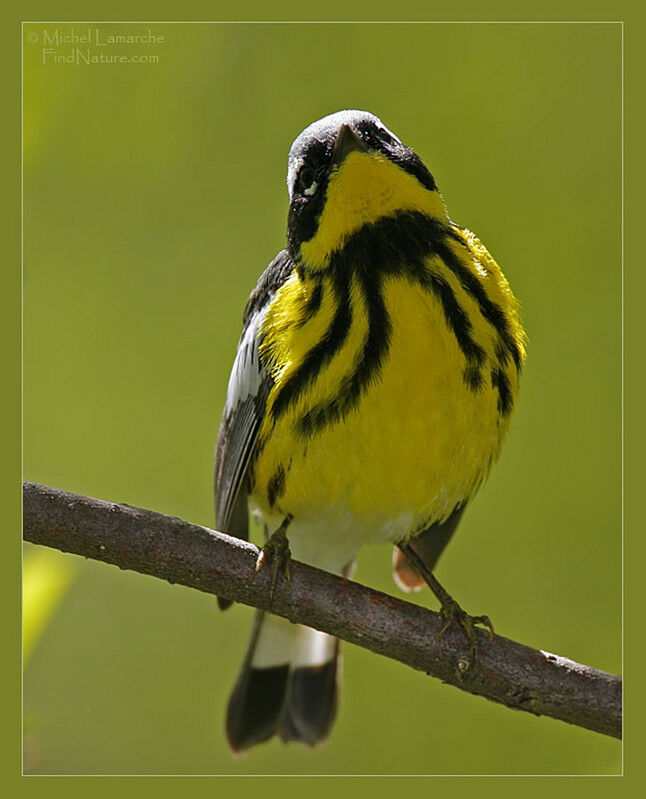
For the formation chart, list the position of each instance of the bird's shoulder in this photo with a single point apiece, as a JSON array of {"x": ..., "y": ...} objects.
[{"x": 268, "y": 284}]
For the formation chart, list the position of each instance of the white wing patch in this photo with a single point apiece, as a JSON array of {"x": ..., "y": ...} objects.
[
  {"x": 243, "y": 412},
  {"x": 247, "y": 373}
]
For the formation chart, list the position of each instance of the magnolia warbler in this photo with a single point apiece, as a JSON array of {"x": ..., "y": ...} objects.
[{"x": 371, "y": 389}]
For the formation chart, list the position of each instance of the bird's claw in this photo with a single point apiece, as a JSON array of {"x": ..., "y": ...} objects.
[
  {"x": 451, "y": 612},
  {"x": 277, "y": 552}
]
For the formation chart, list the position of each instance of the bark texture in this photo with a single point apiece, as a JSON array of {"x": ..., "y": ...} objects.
[{"x": 162, "y": 546}]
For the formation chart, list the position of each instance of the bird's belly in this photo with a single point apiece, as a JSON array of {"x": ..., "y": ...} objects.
[{"x": 419, "y": 441}]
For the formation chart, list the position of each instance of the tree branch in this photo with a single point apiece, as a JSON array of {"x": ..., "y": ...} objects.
[{"x": 165, "y": 547}]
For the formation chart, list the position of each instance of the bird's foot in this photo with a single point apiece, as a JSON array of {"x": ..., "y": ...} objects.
[
  {"x": 453, "y": 612},
  {"x": 277, "y": 552}
]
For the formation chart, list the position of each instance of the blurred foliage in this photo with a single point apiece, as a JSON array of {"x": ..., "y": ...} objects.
[
  {"x": 47, "y": 576},
  {"x": 154, "y": 196}
]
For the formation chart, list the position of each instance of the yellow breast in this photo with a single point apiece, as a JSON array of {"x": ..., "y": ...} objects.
[{"x": 418, "y": 441}]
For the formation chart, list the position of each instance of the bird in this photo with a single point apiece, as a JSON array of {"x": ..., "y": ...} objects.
[{"x": 371, "y": 390}]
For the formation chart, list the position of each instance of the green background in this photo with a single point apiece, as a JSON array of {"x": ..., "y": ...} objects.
[{"x": 154, "y": 196}]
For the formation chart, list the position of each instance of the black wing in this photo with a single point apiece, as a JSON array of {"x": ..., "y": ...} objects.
[{"x": 249, "y": 386}]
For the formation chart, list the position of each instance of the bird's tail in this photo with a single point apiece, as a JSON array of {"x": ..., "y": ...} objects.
[{"x": 287, "y": 686}]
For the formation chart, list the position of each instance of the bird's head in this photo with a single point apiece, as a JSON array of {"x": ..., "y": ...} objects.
[{"x": 346, "y": 171}]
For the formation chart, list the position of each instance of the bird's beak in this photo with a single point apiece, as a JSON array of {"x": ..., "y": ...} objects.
[{"x": 347, "y": 142}]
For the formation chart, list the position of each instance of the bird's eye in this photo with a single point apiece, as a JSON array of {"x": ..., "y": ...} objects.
[
  {"x": 307, "y": 182},
  {"x": 384, "y": 136}
]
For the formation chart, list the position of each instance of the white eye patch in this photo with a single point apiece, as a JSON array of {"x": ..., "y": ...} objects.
[
  {"x": 309, "y": 191},
  {"x": 292, "y": 171}
]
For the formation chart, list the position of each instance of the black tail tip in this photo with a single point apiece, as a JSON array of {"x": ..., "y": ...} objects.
[
  {"x": 299, "y": 706},
  {"x": 311, "y": 705},
  {"x": 255, "y": 706}
]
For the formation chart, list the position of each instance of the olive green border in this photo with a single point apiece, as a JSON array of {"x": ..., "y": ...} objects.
[{"x": 10, "y": 320}]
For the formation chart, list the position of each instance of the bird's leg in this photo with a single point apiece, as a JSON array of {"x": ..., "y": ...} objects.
[
  {"x": 276, "y": 550},
  {"x": 451, "y": 610}
]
